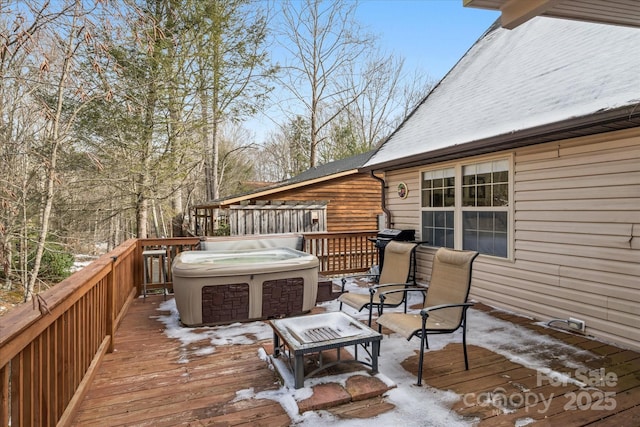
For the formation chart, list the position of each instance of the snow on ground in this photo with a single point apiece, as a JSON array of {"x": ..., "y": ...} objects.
[
  {"x": 81, "y": 261},
  {"x": 235, "y": 333},
  {"x": 416, "y": 406}
]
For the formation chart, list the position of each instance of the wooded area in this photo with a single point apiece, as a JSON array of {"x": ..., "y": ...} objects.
[{"x": 116, "y": 117}]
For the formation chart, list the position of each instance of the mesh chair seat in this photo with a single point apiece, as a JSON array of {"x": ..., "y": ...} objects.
[
  {"x": 408, "y": 325},
  {"x": 394, "y": 275},
  {"x": 445, "y": 306},
  {"x": 359, "y": 300}
]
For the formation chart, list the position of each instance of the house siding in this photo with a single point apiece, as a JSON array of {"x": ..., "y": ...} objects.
[
  {"x": 354, "y": 201},
  {"x": 576, "y": 235}
]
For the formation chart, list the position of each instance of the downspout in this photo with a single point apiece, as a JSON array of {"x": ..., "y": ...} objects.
[{"x": 383, "y": 200}]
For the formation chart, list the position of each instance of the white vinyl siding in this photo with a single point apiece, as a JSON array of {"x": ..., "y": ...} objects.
[
  {"x": 576, "y": 236},
  {"x": 577, "y": 204}
]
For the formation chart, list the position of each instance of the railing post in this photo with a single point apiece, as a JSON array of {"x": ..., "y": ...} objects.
[
  {"x": 4, "y": 395},
  {"x": 111, "y": 304}
]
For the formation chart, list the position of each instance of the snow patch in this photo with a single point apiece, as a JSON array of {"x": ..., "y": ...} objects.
[{"x": 415, "y": 406}]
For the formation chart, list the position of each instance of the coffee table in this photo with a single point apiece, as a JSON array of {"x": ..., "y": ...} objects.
[{"x": 296, "y": 337}]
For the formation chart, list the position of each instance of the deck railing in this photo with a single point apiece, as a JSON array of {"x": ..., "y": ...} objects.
[
  {"x": 342, "y": 253},
  {"x": 50, "y": 350}
]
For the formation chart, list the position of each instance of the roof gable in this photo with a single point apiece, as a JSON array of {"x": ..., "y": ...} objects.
[{"x": 543, "y": 72}]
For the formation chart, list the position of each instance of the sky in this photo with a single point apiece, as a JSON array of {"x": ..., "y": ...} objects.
[{"x": 431, "y": 35}]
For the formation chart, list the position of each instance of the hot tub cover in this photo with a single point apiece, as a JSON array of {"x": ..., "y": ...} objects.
[{"x": 239, "y": 263}]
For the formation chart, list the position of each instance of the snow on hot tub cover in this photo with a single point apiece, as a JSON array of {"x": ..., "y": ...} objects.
[{"x": 256, "y": 261}]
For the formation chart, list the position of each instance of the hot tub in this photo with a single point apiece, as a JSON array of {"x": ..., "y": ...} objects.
[{"x": 213, "y": 288}]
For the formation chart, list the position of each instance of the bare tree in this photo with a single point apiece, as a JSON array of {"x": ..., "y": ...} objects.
[
  {"x": 324, "y": 41},
  {"x": 235, "y": 166},
  {"x": 142, "y": 136},
  {"x": 18, "y": 128},
  {"x": 286, "y": 152},
  {"x": 46, "y": 40},
  {"x": 414, "y": 90},
  {"x": 379, "y": 98},
  {"x": 233, "y": 70},
  {"x": 272, "y": 161}
]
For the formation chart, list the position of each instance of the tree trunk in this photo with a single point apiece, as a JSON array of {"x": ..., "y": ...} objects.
[
  {"x": 177, "y": 221},
  {"x": 216, "y": 119},
  {"x": 142, "y": 216},
  {"x": 56, "y": 140}
]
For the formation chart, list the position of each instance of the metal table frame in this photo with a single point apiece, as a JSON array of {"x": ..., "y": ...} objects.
[
  {"x": 149, "y": 257},
  {"x": 286, "y": 342}
]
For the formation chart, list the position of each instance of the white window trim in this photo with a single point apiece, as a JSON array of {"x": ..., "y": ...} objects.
[{"x": 458, "y": 209}]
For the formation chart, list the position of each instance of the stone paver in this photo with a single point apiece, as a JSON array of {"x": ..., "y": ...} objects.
[
  {"x": 362, "y": 387},
  {"x": 324, "y": 396}
]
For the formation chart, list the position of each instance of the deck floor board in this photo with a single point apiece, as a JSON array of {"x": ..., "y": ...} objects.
[
  {"x": 153, "y": 380},
  {"x": 146, "y": 382}
]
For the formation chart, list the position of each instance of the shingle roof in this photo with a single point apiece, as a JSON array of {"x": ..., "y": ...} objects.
[
  {"x": 331, "y": 168},
  {"x": 545, "y": 71}
]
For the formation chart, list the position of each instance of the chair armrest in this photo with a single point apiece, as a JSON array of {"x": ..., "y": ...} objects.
[
  {"x": 383, "y": 294},
  {"x": 386, "y": 285},
  {"x": 373, "y": 289},
  {"x": 425, "y": 311},
  {"x": 344, "y": 279}
]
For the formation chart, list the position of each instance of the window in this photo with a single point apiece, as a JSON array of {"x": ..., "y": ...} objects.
[
  {"x": 467, "y": 207},
  {"x": 438, "y": 194}
]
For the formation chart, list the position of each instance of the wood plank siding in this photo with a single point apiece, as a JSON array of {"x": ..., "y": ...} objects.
[
  {"x": 353, "y": 201},
  {"x": 576, "y": 234}
]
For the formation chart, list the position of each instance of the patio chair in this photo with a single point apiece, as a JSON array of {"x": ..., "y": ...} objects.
[
  {"x": 399, "y": 258},
  {"x": 445, "y": 307}
]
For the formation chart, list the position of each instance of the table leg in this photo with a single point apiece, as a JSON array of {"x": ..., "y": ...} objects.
[
  {"x": 298, "y": 371},
  {"x": 375, "y": 349},
  {"x": 276, "y": 345},
  {"x": 146, "y": 275}
]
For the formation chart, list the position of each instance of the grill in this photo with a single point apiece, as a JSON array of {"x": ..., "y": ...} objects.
[{"x": 385, "y": 236}]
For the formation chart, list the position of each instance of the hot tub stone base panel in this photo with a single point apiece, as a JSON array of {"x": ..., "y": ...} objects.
[
  {"x": 282, "y": 297},
  {"x": 230, "y": 303},
  {"x": 225, "y": 303}
]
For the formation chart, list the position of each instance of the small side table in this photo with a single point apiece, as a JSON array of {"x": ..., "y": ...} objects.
[{"x": 149, "y": 258}]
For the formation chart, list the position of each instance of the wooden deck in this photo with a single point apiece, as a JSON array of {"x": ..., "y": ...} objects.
[
  {"x": 146, "y": 382},
  {"x": 143, "y": 382}
]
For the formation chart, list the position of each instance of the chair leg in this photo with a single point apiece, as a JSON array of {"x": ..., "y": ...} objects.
[
  {"x": 421, "y": 358},
  {"x": 464, "y": 343},
  {"x": 423, "y": 342}
]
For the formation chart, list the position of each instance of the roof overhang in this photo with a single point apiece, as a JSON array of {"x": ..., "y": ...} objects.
[
  {"x": 516, "y": 12},
  {"x": 602, "y": 122},
  {"x": 272, "y": 190}
]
